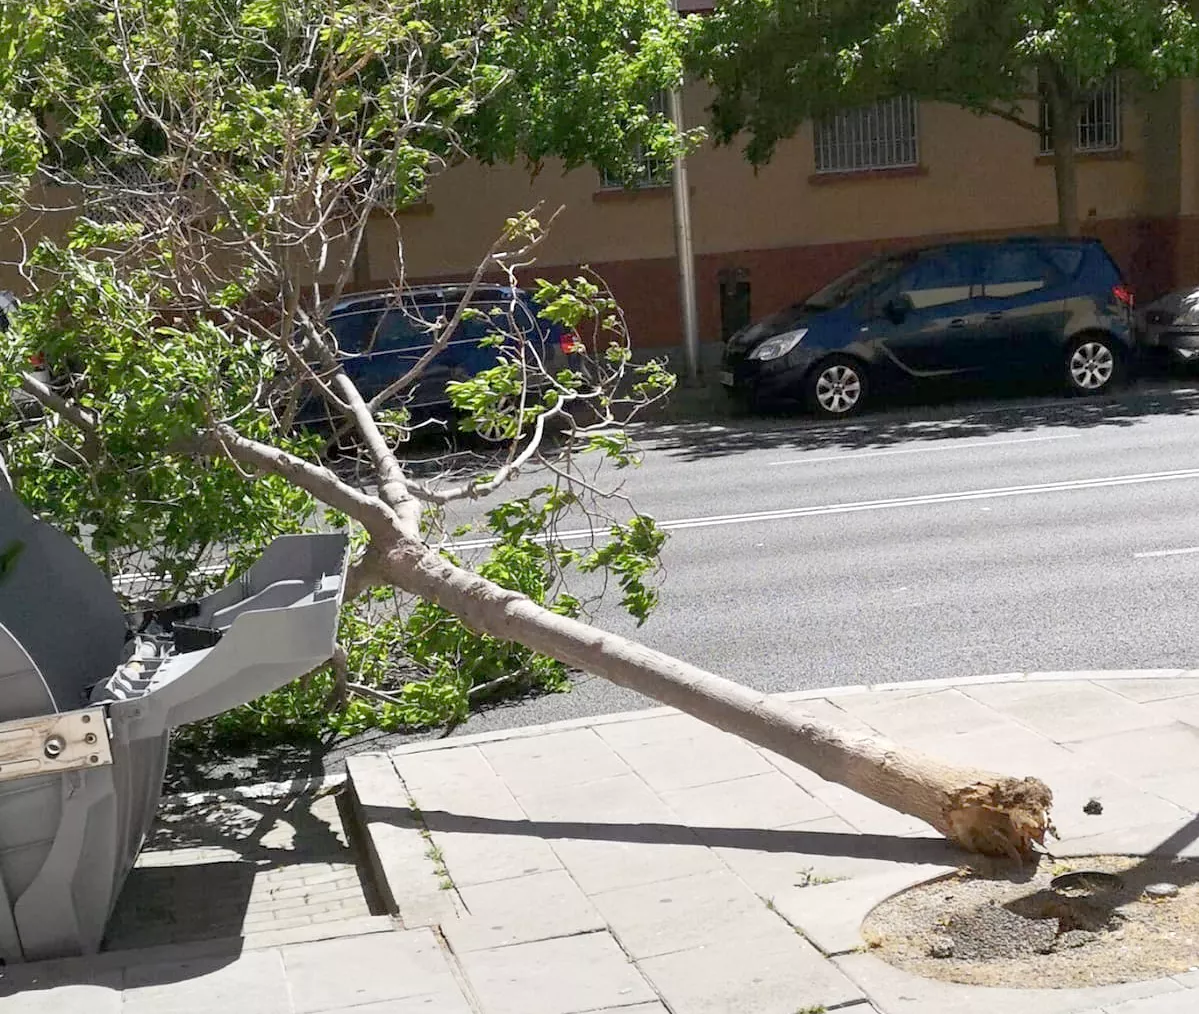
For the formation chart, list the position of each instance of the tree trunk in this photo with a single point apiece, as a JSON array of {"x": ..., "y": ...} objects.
[
  {"x": 1063, "y": 132},
  {"x": 980, "y": 811}
]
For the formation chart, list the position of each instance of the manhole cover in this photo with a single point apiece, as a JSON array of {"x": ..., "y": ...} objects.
[{"x": 1061, "y": 923}]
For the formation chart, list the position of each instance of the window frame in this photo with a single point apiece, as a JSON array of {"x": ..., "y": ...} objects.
[
  {"x": 838, "y": 139},
  {"x": 1048, "y": 278},
  {"x": 1111, "y": 92},
  {"x": 654, "y": 174}
]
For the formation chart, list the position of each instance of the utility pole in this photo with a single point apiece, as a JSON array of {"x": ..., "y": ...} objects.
[{"x": 683, "y": 246}]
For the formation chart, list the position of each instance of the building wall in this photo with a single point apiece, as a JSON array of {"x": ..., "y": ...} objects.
[{"x": 788, "y": 230}]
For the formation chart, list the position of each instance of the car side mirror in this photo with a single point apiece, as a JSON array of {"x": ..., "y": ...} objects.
[{"x": 897, "y": 308}]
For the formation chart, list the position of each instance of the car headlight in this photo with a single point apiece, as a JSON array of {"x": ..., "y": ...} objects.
[{"x": 779, "y": 345}]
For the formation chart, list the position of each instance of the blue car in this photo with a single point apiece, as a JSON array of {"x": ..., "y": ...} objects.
[
  {"x": 1001, "y": 310},
  {"x": 382, "y": 335}
]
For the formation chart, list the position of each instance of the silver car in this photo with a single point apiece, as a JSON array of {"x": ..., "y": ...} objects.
[{"x": 1168, "y": 328}]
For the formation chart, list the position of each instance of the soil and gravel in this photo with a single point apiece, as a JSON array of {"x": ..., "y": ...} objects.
[{"x": 1000, "y": 924}]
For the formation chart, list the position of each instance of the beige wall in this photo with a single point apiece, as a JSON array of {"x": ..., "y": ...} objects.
[{"x": 977, "y": 174}]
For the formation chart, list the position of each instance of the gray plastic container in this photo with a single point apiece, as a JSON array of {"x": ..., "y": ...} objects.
[{"x": 84, "y": 727}]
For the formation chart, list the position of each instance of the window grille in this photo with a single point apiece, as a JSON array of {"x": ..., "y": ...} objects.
[
  {"x": 879, "y": 136},
  {"x": 1099, "y": 123}
]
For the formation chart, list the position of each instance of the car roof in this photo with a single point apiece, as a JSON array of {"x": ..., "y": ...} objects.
[
  {"x": 1024, "y": 240},
  {"x": 423, "y": 294}
]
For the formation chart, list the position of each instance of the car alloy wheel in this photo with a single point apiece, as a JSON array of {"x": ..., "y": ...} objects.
[
  {"x": 496, "y": 431},
  {"x": 1091, "y": 365},
  {"x": 838, "y": 389}
]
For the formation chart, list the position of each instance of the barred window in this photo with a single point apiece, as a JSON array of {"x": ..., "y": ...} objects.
[
  {"x": 879, "y": 136},
  {"x": 1099, "y": 123},
  {"x": 653, "y": 172}
]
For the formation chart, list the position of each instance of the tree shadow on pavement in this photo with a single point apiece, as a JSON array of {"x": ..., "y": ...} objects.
[
  {"x": 921, "y": 422},
  {"x": 930, "y": 851}
]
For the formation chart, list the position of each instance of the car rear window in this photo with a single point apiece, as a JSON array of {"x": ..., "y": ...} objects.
[
  {"x": 358, "y": 332},
  {"x": 1067, "y": 259},
  {"x": 1014, "y": 270},
  {"x": 939, "y": 278}
]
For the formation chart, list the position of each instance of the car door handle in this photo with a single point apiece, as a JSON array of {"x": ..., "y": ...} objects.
[
  {"x": 958, "y": 322},
  {"x": 996, "y": 315}
]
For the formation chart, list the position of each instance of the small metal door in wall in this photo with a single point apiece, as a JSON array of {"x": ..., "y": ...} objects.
[{"x": 734, "y": 301}]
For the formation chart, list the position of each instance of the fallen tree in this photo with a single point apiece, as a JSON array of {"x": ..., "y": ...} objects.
[{"x": 222, "y": 176}]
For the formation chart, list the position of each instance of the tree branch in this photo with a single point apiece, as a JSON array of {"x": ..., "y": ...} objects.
[
  {"x": 83, "y": 421},
  {"x": 1006, "y": 115},
  {"x": 374, "y": 515}
]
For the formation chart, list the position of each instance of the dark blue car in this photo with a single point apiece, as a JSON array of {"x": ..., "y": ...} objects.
[
  {"x": 1004, "y": 310},
  {"x": 382, "y": 335}
]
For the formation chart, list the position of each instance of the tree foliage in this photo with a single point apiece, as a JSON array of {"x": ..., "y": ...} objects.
[
  {"x": 219, "y": 159},
  {"x": 776, "y": 63}
]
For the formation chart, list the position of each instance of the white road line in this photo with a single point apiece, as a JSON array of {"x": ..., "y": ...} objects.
[
  {"x": 930, "y": 499},
  {"x": 1166, "y": 552},
  {"x": 853, "y": 455}
]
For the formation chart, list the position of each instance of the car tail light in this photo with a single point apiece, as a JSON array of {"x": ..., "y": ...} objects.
[
  {"x": 1124, "y": 295},
  {"x": 568, "y": 341},
  {"x": 37, "y": 361}
]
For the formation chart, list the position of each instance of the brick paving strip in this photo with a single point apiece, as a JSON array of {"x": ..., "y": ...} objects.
[{"x": 640, "y": 864}]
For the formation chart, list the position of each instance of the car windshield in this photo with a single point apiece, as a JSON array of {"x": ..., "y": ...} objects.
[{"x": 852, "y": 284}]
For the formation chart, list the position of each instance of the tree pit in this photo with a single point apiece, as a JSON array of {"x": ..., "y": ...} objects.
[{"x": 1093, "y": 921}]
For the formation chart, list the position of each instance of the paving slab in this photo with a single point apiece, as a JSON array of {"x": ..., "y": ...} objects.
[
  {"x": 480, "y": 850},
  {"x": 1184, "y": 1002},
  {"x": 521, "y": 910},
  {"x": 767, "y": 800},
  {"x": 1173, "y": 838},
  {"x": 575, "y": 757},
  {"x": 1067, "y": 711},
  {"x": 897, "y": 992},
  {"x": 779, "y": 974},
  {"x": 862, "y": 813},
  {"x": 1169, "y": 683},
  {"x": 1177, "y": 709},
  {"x": 333, "y": 974},
  {"x": 564, "y": 976},
  {"x": 621, "y": 799},
  {"x": 831, "y": 915},
  {"x": 684, "y": 913},
  {"x": 677, "y": 752},
  {"x": 602, "y": 858},
  {"x": 92, "y": 998},
  {"x": 1073, "y": 778},
  {"x": 1161, "y": 761},
  {"x": 456, "y": 781},
  {"x": 774, "y": 860},
  {"x": 403, "y": 972},
  {"x": 903, "y": 719}
]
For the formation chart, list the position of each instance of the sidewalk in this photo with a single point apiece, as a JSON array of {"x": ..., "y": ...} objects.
[{"x": 647, "y": 863}]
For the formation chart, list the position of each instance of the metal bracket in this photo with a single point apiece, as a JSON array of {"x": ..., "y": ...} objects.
[{"x": 52, "y": 744}]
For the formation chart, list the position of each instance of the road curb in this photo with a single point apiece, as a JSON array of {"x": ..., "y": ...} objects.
[{"x": 566, "y": 725}]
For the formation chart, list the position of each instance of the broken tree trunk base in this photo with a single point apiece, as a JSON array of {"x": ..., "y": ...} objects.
[{"x": 980, "y": 811}]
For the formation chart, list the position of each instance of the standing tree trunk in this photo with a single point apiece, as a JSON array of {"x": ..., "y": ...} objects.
[
  {"x": 982, "y": 812},
  {"x": 1063, "y": 112}
]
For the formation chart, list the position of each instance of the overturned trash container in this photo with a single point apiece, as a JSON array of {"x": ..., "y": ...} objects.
[{"x": 88, "y": 697}]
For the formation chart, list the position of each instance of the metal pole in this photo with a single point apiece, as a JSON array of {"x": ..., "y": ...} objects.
[{"x": 684, "y": 249}]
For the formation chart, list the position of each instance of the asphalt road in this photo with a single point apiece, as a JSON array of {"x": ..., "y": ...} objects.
[{"x": 937, "y": 541}]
